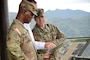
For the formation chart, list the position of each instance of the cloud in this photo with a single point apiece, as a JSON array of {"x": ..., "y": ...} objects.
[
  {"x": 84, "y": 1},
  {"x": 74, "y": 1},
  {"x": 78, "y": 1},
  {"x": 54, "y": 4}
]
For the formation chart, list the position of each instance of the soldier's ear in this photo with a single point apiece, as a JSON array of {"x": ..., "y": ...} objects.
[
  {"x": 26, "y": 12},
  {"x": 24, "y": 9}
]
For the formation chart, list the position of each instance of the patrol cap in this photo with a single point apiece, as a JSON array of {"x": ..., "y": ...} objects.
[
  {"x": 29, "y": 5},
  {"x": 40, "y": 12}
]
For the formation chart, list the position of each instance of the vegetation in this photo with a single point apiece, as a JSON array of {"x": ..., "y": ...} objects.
[{"x": 74, "y": 23}]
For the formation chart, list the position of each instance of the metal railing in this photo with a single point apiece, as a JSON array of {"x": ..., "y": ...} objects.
[{"x": 76, "y": 41}]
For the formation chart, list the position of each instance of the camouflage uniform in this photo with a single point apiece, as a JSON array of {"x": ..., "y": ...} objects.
[
  {"x": 19, "y": 44},
  {"x": 49, "y": 33}
]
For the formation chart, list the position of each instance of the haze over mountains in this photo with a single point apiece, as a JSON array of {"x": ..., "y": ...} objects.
[
  {"x": 66, "y": 13},
  {"x": 74, "y": 23}
]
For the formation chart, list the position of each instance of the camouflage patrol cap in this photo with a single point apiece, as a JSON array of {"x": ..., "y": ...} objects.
[
  {"x": 40, "y": 12},
  {"x": 29, "y": 5}
]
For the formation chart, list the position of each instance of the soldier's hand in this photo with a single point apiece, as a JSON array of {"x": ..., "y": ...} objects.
[
  {"x": 49, "y": 45},
  {"x": 47, "y": 55}
]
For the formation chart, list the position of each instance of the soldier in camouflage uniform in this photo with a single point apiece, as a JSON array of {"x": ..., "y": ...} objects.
[
  {"x": 47, "y": 33},
  {"x": 19, "y": 44}
]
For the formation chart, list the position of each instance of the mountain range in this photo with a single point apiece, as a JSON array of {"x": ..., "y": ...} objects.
[
  {"x": 73, "y": 23},
  {"x": 66, "y": 13}
]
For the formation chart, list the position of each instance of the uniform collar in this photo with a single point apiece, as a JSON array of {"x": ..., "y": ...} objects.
[
  {"x": 18, "y": 22},
  {"x": 40, "y": 27}
]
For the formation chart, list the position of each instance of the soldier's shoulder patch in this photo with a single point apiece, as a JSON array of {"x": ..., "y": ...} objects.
[{"x": 18, "y": 31}]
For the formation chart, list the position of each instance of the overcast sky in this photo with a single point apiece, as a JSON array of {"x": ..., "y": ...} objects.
[{"x": 54, "y": 4}]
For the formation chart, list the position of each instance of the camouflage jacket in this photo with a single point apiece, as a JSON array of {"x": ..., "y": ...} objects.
[
  {"x": 19, "y": 44},
  {"x": 49, "y": 33}
]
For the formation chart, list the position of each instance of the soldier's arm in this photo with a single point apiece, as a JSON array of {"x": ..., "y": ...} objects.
[
  {"x": 13, "y": 46},
  {"x": 60, "y": 37},
  {"x": 47, "y": 45}
]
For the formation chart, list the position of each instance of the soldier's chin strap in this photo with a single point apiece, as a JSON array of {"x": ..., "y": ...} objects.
[{"x": 65, "y": 42}]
